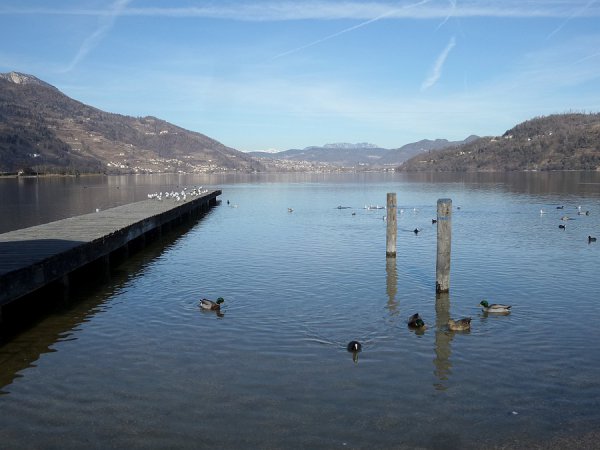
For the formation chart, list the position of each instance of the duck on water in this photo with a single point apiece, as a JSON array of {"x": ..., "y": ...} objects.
[
  {"x": 494, "y": 307},
  {"x": 209, "y": 305}
]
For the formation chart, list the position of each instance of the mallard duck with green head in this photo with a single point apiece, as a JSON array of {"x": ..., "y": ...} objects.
[
  {"x": 416, "y": 322},
  {"x": 460, "y": 324},
  {"x": 210, "y": 305},
  {"x": 494, "y": 307}
]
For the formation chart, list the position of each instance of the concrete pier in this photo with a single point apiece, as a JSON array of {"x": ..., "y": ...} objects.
[{"x": 32, "y": 258}]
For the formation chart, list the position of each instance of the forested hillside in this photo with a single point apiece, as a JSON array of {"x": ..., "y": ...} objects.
[{"x": 556, "y": 142}]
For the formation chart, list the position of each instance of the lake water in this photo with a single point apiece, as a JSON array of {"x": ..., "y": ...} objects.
[{"x": 135, "y": 363}]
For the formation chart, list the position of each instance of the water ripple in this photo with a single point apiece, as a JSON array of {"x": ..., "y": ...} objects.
[{"x": 142, "y": 365}]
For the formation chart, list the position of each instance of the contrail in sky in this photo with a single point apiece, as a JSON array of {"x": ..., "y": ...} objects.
[
  {"x": 575, "y": 14},
  {"x": 106, "y": 22},
  {"x": 437, "y": 68},
  {"x": 360, "y": 25},
  {"x": 453, "y": 3},
  {"x": 594, "y": 55}
]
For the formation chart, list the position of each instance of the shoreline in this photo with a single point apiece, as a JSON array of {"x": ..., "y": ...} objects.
[{"x": 88, "y": 174}]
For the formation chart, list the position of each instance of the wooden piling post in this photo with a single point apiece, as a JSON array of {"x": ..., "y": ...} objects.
[
  {"x": 392, "y": 225},
  {"x": 444, "y": 235}
]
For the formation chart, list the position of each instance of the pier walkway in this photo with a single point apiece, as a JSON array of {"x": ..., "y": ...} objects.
[{"x": 34, "y": 257}]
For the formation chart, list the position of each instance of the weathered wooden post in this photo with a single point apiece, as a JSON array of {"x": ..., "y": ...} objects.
[
  {"x": 444, "y": 234},
  {"x": 392, "y": 225}
]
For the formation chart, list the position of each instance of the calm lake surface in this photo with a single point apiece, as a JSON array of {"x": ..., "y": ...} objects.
[{"x": 134, "y": 362}]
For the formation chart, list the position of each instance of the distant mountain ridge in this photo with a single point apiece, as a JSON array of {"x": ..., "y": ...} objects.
[
  {"x": 43, "y": 130},
  {"x": 399, "y": 155},
  {"x": 345, "y": 145},
  {"x": 361, "y": 155}
]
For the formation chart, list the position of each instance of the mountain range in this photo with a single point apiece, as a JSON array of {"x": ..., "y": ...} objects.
[
  {"x": 43, "y": 130},
  {"x": 361, "y": 155}
]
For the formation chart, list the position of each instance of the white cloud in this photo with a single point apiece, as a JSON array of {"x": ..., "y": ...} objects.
[
  {"x": 436, "y": 71},
  {"x": 270, "y": 10}
]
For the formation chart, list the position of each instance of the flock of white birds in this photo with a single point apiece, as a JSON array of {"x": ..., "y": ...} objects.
[{"x": 179, "y": 196}]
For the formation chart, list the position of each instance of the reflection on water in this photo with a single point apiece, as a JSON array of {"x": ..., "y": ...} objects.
[
  {"x": 391, "y": 285},
  {"x": 443, "y": 337},
  {"x": 534, "y": 183},
  {"x": 136, "y": 363},
  {"x": 62, "y": 312}
]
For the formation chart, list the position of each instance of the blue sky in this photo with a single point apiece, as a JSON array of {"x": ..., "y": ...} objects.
[{"x": 275, "y": 75}]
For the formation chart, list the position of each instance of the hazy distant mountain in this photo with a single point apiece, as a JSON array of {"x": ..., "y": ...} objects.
[
  {"x": 347, "y": 146},
  {"x": 363, "y": 155},
  {"x": 43, "y": 130},
  {"x": 340, "y": 154},
  {"x": 399, "y": 155},
  {"x": 556, "y": 142}
]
